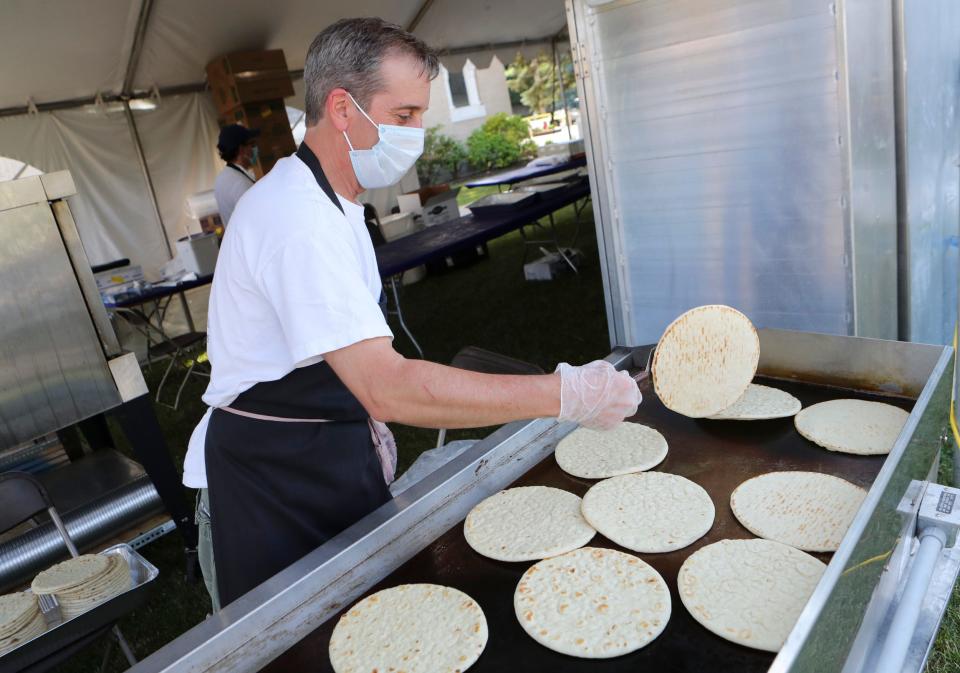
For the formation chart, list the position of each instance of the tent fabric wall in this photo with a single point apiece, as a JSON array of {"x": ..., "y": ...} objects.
[
  {"x": 179, "y": 142},
  {"x": 112, "y": 205}
]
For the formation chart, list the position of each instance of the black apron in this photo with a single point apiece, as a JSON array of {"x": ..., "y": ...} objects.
[
  {"x": 278, "y": 490},
  {"x": 245, "y": 174}
]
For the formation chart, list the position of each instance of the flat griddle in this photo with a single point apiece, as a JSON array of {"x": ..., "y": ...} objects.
[{"x": 718, "y": 455}]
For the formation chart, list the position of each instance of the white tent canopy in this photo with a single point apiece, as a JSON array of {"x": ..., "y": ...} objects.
[{"x": 58, "y": 56}]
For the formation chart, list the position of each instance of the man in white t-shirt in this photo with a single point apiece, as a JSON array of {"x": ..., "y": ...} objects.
[
  {"x": 301, "y": 354},
  {"x": 237, "y": 148}
]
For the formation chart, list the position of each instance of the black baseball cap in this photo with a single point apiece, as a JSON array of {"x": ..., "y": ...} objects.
[{"x": 233, "y": 136}]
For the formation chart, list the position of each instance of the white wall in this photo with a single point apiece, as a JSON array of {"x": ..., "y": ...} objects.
[{"x": 492, "y": 93}]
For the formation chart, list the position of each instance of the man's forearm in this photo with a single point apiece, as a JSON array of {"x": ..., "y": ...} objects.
[{"x": 416, "y": 392}]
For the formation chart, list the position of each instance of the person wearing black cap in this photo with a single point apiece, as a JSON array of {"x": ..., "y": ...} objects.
[{"x": 238, "y": 150}]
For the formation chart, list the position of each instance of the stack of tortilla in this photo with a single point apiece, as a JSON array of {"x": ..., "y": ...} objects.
[
  {"x": 83, "y": 582},
  {"x": 20, "y": 620}
]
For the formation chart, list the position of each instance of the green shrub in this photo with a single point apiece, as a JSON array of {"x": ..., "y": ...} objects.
[
  {"x": 442, "y": 157},
  {"x": 502, "y": 141}
]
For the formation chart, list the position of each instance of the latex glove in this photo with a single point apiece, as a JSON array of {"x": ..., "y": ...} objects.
[{"x": 596, "y": 395}]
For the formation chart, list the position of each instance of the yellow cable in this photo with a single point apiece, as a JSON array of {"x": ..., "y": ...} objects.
[
  {"x": 879, "y": 557},
  {"x": 953, "y": 402}
]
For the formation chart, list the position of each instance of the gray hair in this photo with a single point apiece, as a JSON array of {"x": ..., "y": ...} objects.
[{"x": 348, "y": 54}]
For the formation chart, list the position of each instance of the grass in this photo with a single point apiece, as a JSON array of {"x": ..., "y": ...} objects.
[{"x": 487, "y": 304}]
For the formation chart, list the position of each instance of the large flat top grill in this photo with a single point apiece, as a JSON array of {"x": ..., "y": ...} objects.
[{"x": 718, "y": 455}]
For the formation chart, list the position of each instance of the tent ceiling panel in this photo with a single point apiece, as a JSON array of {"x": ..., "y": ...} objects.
[
  {"x": 56, "y": 50},
  {"x": 62, "y": 50},
  {"x": 454, "y": 23},
  {"x": 185, "y": 35}
]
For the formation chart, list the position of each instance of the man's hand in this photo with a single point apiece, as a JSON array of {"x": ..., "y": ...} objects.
[{"x": 596, "y": 395}]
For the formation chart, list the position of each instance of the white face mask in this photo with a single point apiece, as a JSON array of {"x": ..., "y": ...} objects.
[{"x": 389, "y": 160}]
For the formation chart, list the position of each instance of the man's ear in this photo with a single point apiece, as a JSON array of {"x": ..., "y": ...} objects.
[{"x": 338, "y": 109}]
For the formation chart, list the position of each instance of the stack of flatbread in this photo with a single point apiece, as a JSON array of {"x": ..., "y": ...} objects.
[
  {"x": 20, "y": 620},
  {"x": 81, "y": 583}
]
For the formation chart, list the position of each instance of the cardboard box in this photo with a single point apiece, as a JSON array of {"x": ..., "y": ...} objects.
[
  {"x": 123, "y": 275},
  {"x": 276, "y": 137},
  {"x": 441, "y": 207},
  {"x": 212, "y": 224},
  {"x": 270, "y": 117},
  {"x": 248, "y": 77}
]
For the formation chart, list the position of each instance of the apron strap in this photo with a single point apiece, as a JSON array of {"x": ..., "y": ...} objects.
[
  {"x": 240, "y": 171},
  {"x": 280, "y": 419},
  {"x": 306, "y": 155}
]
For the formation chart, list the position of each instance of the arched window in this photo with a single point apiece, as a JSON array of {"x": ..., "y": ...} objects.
[
  {"x": 463, "y": 95},
  {"x": 12, "y": 169}
]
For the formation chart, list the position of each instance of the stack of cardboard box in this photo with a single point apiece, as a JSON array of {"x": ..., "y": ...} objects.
[{"x": 248, "y": 88}]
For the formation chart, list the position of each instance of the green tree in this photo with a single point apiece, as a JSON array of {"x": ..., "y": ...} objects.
[
  {"x": 441, "y": 155},
  {"x": 502, "y": 141},
  {"x": 536, "y": 82}
]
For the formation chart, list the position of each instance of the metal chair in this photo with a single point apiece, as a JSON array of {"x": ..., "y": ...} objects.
[{"x": 23, "y": 498}]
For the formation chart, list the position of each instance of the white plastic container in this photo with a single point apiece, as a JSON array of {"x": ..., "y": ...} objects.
[
  {"x": 199, "y": 253},
  {"x": 397, "y": 226}
]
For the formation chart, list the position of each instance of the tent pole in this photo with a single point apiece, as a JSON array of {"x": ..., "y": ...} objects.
[
  {"x": 418, "y": 17},
  {"x": 141, "y": 158},
  {"x": 563, "y": 90},
  {"x": 139, "y": 36}
]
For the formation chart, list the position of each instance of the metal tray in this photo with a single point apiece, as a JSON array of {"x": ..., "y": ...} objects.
[
  {"x": 142, "y": 574},
  {"x": 718, "y": 455},
  {"x": 562, "y": 176},
  {"x": 544, "y": 188},
  {"x": 492, "y": 205}
]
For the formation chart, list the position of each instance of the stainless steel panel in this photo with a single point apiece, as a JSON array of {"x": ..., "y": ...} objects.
[
  {"x": 52, "y": 368},
  {"x": 611, "y": 260},
  {"x": 865, "y": 43},
  {"x": 928, "y": 145},
  {"x": 83, "y": 271},
  {"x": 870, "y": 365},
  {"x": 58, "y": 185},
  {"x": 739, "y": 158},
  {"x": 16, "y": 193},
  {"x": 825, "y": 632}
]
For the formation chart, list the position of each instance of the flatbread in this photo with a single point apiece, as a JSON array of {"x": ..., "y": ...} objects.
[
  {"x": 70, "y": 573},
  {"x": 33, "y": 628},
  {"x": 415, "y": 628},
  {"x": 16, "y": 610},
  {"x": 598, "y": 454},
  {"x": 806, "y": 510},
  {"x": 760, "y": 403},
  {"x": 705, "y": 360},
  {"x": 77, "y": 600},
  {"x": 528, "y": 523},
  {"x": 592, "y": 603},
  {"x": 750, "y": 592},
  {"x": 852, "y": 426},
  {"x": 649, "y": 512}
]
